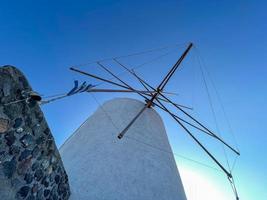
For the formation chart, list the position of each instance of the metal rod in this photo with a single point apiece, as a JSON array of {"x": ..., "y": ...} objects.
[
  {"x": 192, "y": 125},
  {"x": 195, "y": 120},
  {"x": 105, "y": 80},
  {"x": 232, "y": 183},
  {"x": 99, "y": 78},
  {"x": 174, "y": 68},
  {"x": 132, "y": 122},
  {"x": 116, "y": 77},
  {"x": 145, "y": 84},
  {"x": 167, "y": 77},
  {"x": 178, "y": 106},
  {"x": 197, "y": 141},
  {"x": 183, "y": 120},
  {"x": 149, "y": 102},
  {"x": 111, "y": 90},
  {"x": 132, "y": 72}
]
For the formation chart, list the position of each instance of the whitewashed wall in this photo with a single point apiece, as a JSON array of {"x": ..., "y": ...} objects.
[{"x": 137, "y": 167}]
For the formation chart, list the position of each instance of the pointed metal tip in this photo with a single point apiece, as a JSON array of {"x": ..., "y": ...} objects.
[{"x": 120, "y": 136}]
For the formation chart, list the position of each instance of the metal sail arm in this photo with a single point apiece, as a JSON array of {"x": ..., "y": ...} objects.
[
  {"x": 192, "y": 125},
  {"x": 200, "y": 124},
  {"x": 139, "y": 113},
  {"x": 99, "y": 78},
  {"x": 174, "y": 68},
  {"x": 179, "y": 106},
  {"x": 232, "y": 183},
  {"x": 128, "y": 89},
  {"x": 145, "y": 84},
  {"x": 112, "y": 90},
  {"x": 121, "y": 134},
  {"x": 181, "y": 119},
  {"x": 154, "y": 90},
  {"x": 124, "y": 86},
  {"x": 134, "y": 74},
  {"x": 116, "y": 77},
  {"x": 229, "y": 175},
  {"x": 142, "y": 82},
  {"x": 135, "y": 118},
  {"x": 167, "y": 77},
  {"x": 197, "y": 141}
]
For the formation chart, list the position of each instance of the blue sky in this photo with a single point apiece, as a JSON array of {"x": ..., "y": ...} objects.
[{"x": 45, "y": 38}]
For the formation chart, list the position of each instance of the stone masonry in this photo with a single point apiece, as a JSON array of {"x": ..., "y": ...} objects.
[{"x": 30, "y": 164}]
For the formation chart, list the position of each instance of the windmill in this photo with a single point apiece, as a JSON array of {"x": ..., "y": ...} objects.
[
  {"x": 153, "y": 97},
  {"x": 156, "y": 97}
]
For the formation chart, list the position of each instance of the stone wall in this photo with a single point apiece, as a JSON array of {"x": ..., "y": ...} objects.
[{"x": 30, "y": 164}]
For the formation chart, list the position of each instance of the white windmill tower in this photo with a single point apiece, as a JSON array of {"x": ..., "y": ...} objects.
[
  {"x": 100, "y": 166},
  {"x": 104, "y": 163}
]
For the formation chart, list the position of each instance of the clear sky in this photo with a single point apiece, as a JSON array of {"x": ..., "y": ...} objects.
[{"x": 45, "y": 38}]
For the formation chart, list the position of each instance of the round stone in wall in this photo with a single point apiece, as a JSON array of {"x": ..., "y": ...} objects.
[{"x": 4, "y": 123}]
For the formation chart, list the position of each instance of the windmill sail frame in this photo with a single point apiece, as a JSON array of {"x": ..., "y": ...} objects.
[{"x": 152, "y": 94}]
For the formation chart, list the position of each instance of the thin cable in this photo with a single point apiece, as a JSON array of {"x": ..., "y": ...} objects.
[
  {"x": 219, "y": 99},
  {"x": 104, "y": 111},
  {"x": 213, "y": 112},
  {"x": 133, "y": 54},
  {"x": 175, "y": 154},
  {"x": 231, "y": 179},
  {"x": 234, "y": 163},
  {"x": 142, "y": 64}
]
